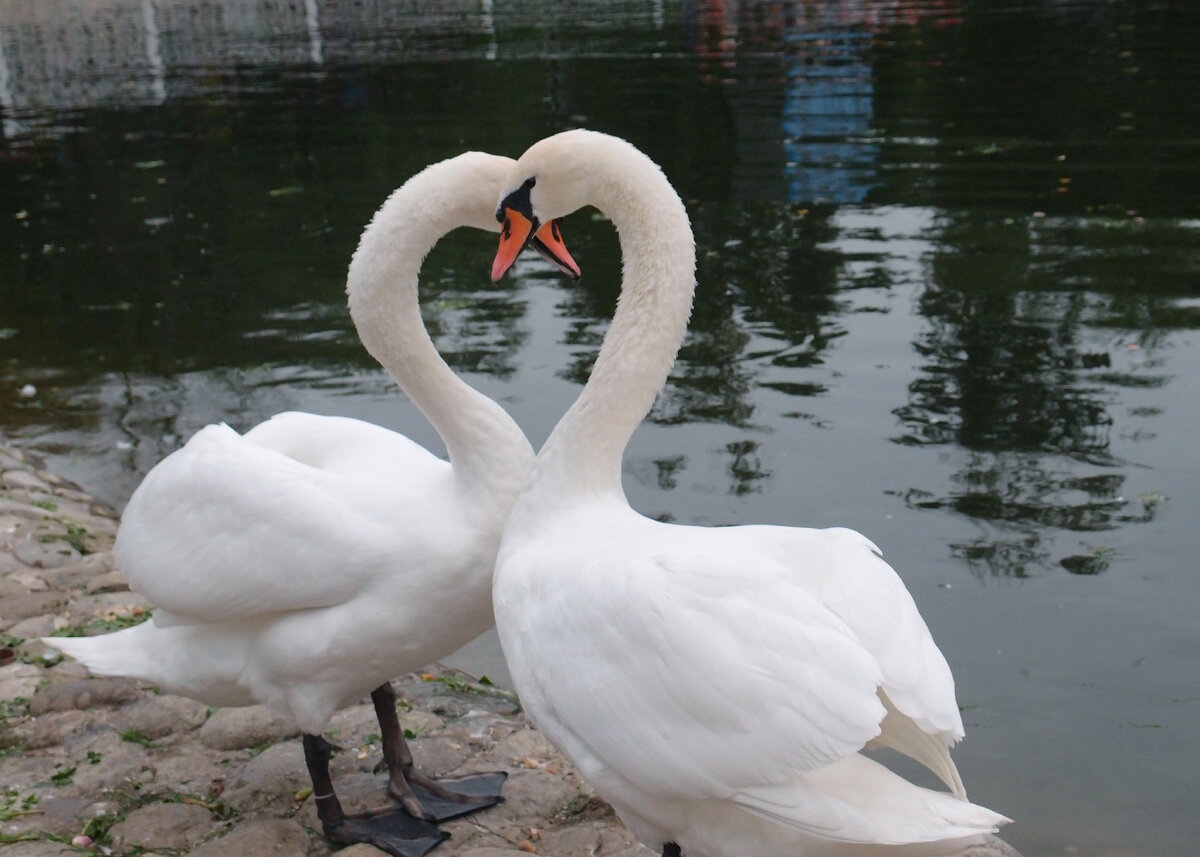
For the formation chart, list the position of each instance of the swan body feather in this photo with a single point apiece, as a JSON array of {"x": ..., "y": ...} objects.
[{"x": 716, "y": 685}]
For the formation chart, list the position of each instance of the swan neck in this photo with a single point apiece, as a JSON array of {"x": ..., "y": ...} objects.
[
  {"x": 382, "y": 289},
  {"x": 583, "y": 454}
]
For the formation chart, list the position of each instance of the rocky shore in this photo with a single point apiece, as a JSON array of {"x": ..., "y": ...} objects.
[
  {"x": 111, "y": 766},
  {"x": 116, "y": 767}
]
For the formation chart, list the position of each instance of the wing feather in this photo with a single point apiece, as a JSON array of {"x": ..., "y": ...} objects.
[
  {"x": 228, "y": 527},
  {"x": 733, "y": 675}
]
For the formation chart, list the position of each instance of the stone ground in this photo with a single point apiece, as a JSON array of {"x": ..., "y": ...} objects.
[{"x": 116, "y": 767}]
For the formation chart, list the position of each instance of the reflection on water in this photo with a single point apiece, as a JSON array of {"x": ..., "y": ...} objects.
[{"x": 948, "y": 277}]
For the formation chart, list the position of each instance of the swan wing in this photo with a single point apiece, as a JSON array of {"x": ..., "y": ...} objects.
[
  {"x": 856, "y": 799},
  {"x": 695, "y": 675},
  {"x": 226, "y": 528},
  {"x": 847, "y": 572}
]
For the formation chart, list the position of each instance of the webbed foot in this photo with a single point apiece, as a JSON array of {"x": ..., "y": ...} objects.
[
  {"x": 457, "y": 796},
  {"x": 392, "y": 830}
]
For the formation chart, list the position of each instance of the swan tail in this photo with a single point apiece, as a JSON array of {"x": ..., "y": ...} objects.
[
  {"x": 902, "y": 734},
  {"x": 128, "y": 653},
  {"x": 873, "y": 806},
  {"x": 202, "y": 662}
]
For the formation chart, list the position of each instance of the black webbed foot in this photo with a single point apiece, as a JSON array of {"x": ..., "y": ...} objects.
[
  {"x": 393, "y": 831},
  {"x": 434, "y": 800},
  {"x": 458, "y": 796}
]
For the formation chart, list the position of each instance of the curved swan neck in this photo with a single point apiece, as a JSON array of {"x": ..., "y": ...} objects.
[
  {"x": 583, "y": 454},
  {"x": 383, "y": 298}
]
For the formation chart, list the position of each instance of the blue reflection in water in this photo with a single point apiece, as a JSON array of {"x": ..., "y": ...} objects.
[{"x": 827, "y": 113}]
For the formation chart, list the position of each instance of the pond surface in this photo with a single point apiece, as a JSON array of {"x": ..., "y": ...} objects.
[{"x": 949, "y": 295}]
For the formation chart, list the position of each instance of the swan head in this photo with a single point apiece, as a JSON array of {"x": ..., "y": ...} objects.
[
  {"x": 559, "y": 175},
  {"x": 518, "y": 229},
  {"x": 487, "y": 173},
  {"x": 549, "y": 185}
]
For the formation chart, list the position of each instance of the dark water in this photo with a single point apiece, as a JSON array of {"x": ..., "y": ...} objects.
[{"x": 949, "y": 296}]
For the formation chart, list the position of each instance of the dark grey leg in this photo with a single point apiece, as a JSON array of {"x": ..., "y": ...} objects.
[
  {"x": 430, "y": 800},
  {"x": 393, "y": 831},
  {"x": 317, "y": 752}
]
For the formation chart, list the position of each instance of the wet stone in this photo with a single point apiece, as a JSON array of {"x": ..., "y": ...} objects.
[
  {"x": 275, "y": 774},
  {"x": 21, "y": 509},
  {"x": 48, "y": 554},
  {"x": 194, "y": 773},
  {"x": 439, "y": 755},
  {"x": 239, "y": 728},
  {"x": 104, "y": 762},
  {"x": 112, "y": 581},
  {"x": 156, "y": 716},
  {"x": 69, "y": 669},
  {"x": 526, "y": 744},
  {"x": 531, "y": 793},
  {"x": 585, "y": 839},
  {"x": 82, "y": 694},
  {"x": 31, "y": 581},
  {"x": 49, "y": 730},
  {"x": 20, "y": 604},
  {"x": 23, "y": 479},
  {"x": 67, "y": 577},
  {"x": 114, "y": 605},
  {"x": 361, "y": 849},
  {"x": 273, "y": 837},
  {"x": 19, "y": 681},
  {"x": 34, "y": 627},
  {"x": 174, "y": 826},
  {"x": 55, "y": 815}
]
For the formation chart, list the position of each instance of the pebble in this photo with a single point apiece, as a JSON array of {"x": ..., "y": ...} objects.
[
  {"x": 175, "y": 826},
  {"x": 153, "y": 773},
  {"x": 277, "y": 837},
  {"x": 239, "y": 728},
  {"x": 82, "y": 694},
  {"x": 49, "y": 554},
  {"x": 19, "y": 681},
  {"x": 113, "y": 581}
]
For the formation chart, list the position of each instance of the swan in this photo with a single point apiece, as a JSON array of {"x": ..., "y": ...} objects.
[
  {"x": 307, "y": 562},
  {"x": 715, "y": 685}
]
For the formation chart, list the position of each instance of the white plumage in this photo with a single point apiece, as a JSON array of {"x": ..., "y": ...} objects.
[
  {"x": 716, "y": 685},
  {"x": 313, "y": 558},
  {"x": 307, "y": 562}
]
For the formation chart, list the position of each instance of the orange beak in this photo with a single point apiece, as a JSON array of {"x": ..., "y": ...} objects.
[
  {"x": 549, "y": 244},
  {"x": 517, "y": 230}
]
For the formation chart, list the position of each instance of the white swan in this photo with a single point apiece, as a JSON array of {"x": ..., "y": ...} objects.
[
  {"x": 714, "y": 684},
  {"x": 306, "y": 563}
]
